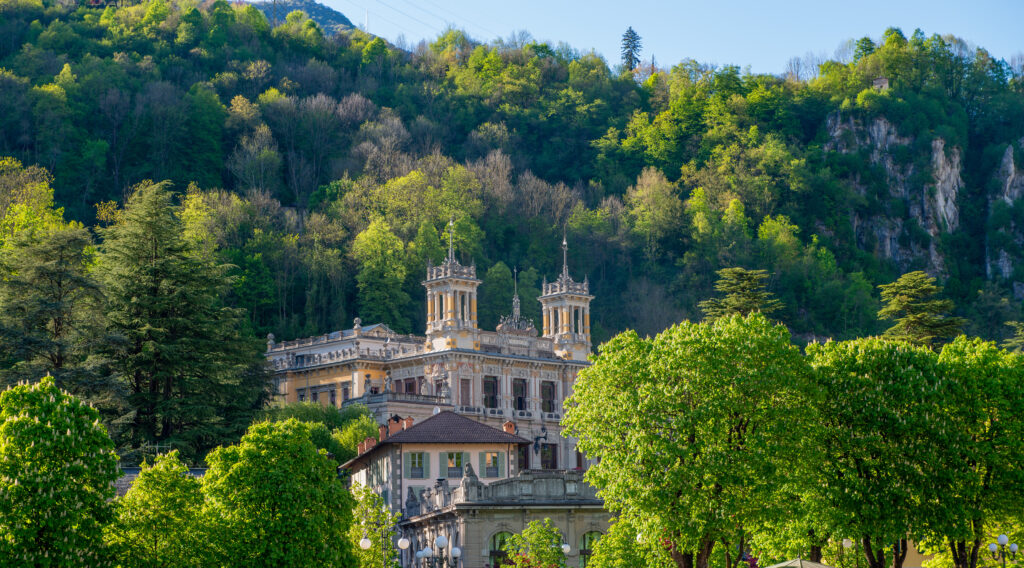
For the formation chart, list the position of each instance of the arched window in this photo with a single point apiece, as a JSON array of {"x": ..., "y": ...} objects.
[
  {"x": 495, "y": 553},
  {"x": 587, "y": 542}
]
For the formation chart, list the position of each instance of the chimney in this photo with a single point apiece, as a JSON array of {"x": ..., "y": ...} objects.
[
  {"x": 509, "y": 427},
  {"x": 407, "y": 423},
  {"x": 383, "y": 431},
  {"x": 360, "y": 448},
  {"x": 369, "y": 442},
  {"x": 394, "y": 426}
]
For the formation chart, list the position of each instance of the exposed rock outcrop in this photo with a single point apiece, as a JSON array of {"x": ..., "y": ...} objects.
[
  {"x": 1004, "y": 243},
  {"x": 908, "y": 234}
]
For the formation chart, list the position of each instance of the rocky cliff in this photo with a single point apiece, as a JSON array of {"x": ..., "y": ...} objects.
[
  {"x": 1004, "y": 241},
  {"x": 916, "y": 200}
]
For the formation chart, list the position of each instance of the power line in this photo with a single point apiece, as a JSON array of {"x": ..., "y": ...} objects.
[
  {"x": 392, "y": 22},
  {"x": 408, "y": 16},
  {"x": 464, "y": 19}
]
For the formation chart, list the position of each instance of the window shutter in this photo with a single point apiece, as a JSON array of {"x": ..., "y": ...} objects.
[
  {"x": 407, "y": 465},
  {"x": 426, "y": 465},
  {"x": 442, "y": 465},
  {"x": 501, "y": 464},
  {"x": 483, "y": 464},
  {"x": 465, "y": 462}
]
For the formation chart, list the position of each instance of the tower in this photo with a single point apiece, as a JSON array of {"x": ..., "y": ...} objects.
[
  {"x": 451, "y": 294},
  {"x": 565, "y": 304}
]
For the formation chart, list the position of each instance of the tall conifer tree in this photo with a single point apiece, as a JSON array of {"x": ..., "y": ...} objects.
[{"x": 195, "y": 377}]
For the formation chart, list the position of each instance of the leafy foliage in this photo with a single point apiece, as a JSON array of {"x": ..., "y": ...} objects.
[
  {"x": 377, "y": 523},
  {"x": 744, "y": 294},
  {"x": 921, "y": 318},
  {"x": 57, "y": 467},
  {"x": 539, "y": 545}
]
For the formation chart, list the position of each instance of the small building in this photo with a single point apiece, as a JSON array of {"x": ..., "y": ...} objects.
[
  {"x": 880, "y": 84},
  {"x": 410, "y": 458}
]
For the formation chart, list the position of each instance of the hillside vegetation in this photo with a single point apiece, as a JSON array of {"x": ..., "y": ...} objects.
[{"x": 324, "y": 169}]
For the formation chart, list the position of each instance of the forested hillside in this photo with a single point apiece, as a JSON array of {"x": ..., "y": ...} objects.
[{"x": 323, "y": 170}]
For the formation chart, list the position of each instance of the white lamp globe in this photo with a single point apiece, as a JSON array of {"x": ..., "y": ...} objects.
[
  {"x": 428, "y": 552},
  {"x": 1003, "y": 539},
  {"x": 993, "y": 547},
  {"x": 1013, "y": 548},
  {"x": 456, "y": 552},
  {"x": 441, "y": 541},
  {"x": 365, "y": 543},
  {"x": 566, "y": 548},
  {"x": 847, "y": 543},
  {"x": 419, "y": 554},
  {"x": 639, "y": 537},
  {"x": 403, "y": 543}
]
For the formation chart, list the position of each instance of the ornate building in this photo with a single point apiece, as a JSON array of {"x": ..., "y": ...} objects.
[{"x": 512, "y": 379}]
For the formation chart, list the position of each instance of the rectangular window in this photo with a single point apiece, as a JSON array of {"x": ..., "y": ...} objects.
[
  {"x": 315, "y": 396},
  {"x": 549, "y": 456},
  {"x": 416, "y": 461},
  {"x": 490, "y": 464},
  {"x": 334, "y": 397},
  {"x": 344, "y": 394},
  {"x": 301, "y": 394},
  {"x": 519, "y": 393},
  {"x": 454, "y": 464},
  {"x": 465, "y": 388},
  {"x": 547, "y": 396},
  {"x": 523, "y": 458},
  {"x": 491, "y": 392}
]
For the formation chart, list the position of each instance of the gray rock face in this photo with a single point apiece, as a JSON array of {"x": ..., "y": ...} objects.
[
  {"x": 930, "y": 208},
  {"x": 1005, "y": 242}
]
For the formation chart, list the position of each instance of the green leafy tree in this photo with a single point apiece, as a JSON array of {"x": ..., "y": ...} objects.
[
  {"x": 376, "y": 523},
  {"x": 352, "y": 434},
  {"x": 381, "y": 298},
  {"x": 745, "y": 294},
  {"x": 275, "y": 500},
  {"x": 539, "y": 545},
  {"x": 57, "y": 468},
  {"x": 631, "y": 46},
  {"x": 983, "y": 481},
  {"x": 496, "y": 295},
  {"x": 695, "y": 430},
  {"x": 194, "y": 375},
  {"x": 158, "y": 521},
  {"x": 921, "y": 317},
  {"x": 885, "y": 427},
  {"x": 625, "y": 547},
  {"x": 1016, "y": 342}
]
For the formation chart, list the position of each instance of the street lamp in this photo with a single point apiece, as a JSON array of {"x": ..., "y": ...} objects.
[
  {"x": 1001, "y": 549},
  {"x": 365, "y": 544},
  {"x": 440, "y": 560}
]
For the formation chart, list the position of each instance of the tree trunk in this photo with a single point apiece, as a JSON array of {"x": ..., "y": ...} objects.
[
  {"x": 699, "y": 559},
  {"x": 900, "y": 554},
  {"x": 875, "y": 559},
  {"x": 815, "y": 554}
]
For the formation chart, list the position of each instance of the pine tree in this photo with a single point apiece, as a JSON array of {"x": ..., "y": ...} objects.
[
  {"x": 1015, "y": 343},
  {"x": 631, "y": 46},
  {"x": 921, "y": 317},
  {"x": 195, "y": 377},
  {"x": 744, "y": 294}
]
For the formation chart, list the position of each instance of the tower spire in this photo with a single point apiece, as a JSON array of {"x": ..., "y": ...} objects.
[
  {"x": 565, "y": 256},
  {"x": 515, "y": 294},
  {"x": 451, "y": 243}
]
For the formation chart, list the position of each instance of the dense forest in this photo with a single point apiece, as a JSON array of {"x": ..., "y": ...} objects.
[{"x": 321, "y": 170}]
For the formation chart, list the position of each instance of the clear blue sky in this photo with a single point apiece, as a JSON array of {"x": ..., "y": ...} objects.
[{"x": 763, "y": 34}]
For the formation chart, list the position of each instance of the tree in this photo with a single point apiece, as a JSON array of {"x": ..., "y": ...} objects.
[
  {"x": 158, "y": 521},
  {"x": 1015, "y": 343},
  {"x": 921, "y": 318},
  {"x": 624, "y": 547},
  {"x": 376, "y": 523},
  {"x": 695, "y": 430},
  {"x": 381, "y": 298},
  {"x": 538, "y": 546},
  {"x": 631, "y": 46},
  {"x": 195, "y": 376},
  {"x": 744, "y": 294},
  {"x": 274, "y": 500},
  {"x": 57, "y": 468},
  {"x": 987, "y": 482},
  {"x": 885, "y": 427}
]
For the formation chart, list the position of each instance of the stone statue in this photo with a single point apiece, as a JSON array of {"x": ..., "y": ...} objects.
[
  {"x": 388, "y": 382},
  {"x": 424, "y": 387},
  {"x": 366, "y": 385}
]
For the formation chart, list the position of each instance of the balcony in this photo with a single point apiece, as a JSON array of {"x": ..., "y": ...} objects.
[{"x": 386, "y": 397}]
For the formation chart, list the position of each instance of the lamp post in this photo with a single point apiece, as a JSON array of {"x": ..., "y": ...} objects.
[
  {"x": 365, "y": 544},
  {"x": 1001, "y": 549},
  {"x": 441, "y": 559}
]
